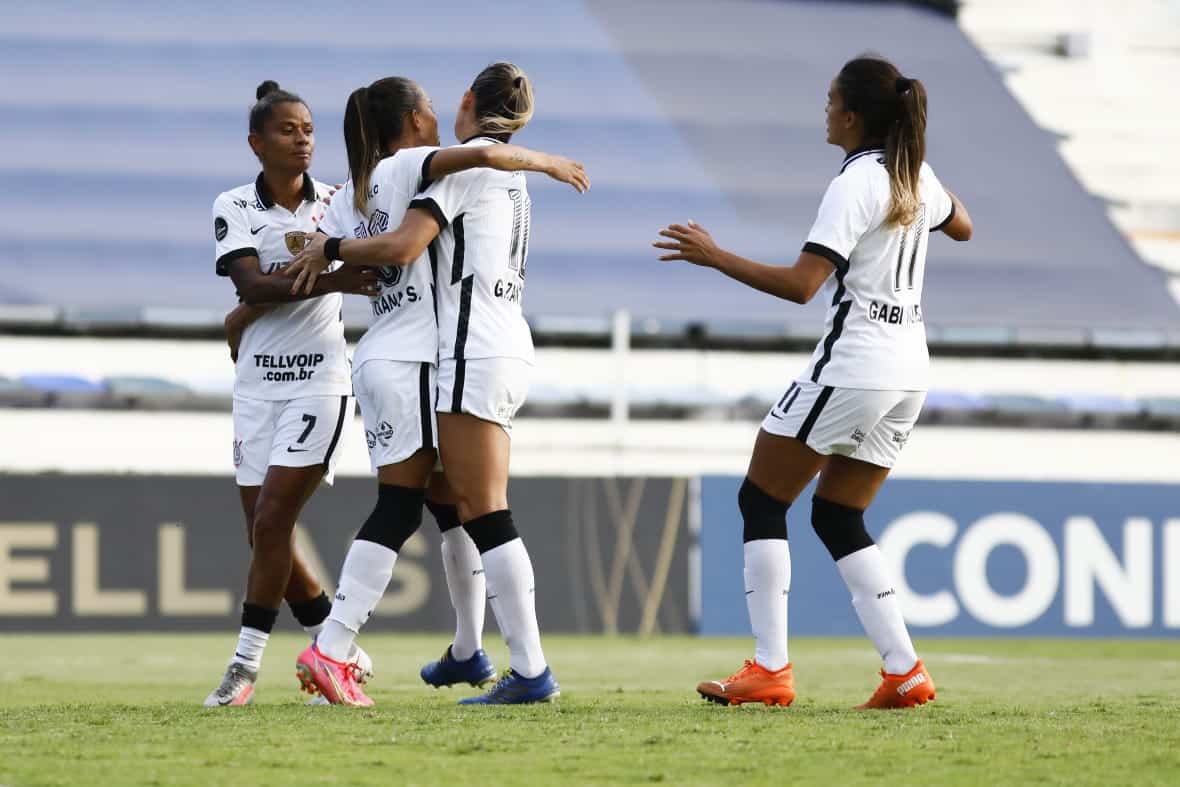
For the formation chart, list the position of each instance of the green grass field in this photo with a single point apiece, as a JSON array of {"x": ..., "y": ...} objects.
[{"x": 123, "y": 710}]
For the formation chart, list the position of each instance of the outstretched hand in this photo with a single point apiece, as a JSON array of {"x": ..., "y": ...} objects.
[
  {"x": 691, "y": 243},
  {"x": 308, "y": 265},
  {"x": 568, "y": 171}
]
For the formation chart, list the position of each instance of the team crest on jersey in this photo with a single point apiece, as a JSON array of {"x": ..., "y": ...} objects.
[
  {"x": 295, "y": 241},
  {"x": 390, "y": 275}
]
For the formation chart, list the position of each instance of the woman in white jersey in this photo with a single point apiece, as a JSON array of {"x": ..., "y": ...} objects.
[
  {"x": 391, "y": 135},
  {"x": 849, "y": 414},
  {"x": 292, "y": 392},
  {"x": 478, "y": 222}
]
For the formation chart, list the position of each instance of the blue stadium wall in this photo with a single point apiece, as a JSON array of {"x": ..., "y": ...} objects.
[{"x": 975, "y": 558}]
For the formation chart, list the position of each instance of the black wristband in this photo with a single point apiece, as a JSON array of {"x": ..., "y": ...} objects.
[{"x": 332, "y": 249}]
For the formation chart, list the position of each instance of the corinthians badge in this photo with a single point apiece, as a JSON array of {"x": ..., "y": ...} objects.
[{"x": 295, "y": 241}]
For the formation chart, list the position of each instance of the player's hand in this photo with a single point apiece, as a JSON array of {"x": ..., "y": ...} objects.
[
  {"x": 233, "y": 334},
  {"x": 352, "y": 280},
  {"x": 328, "y": 199},
  {"x": 568, "y": 171},
  {"x": 691, "y": 243},
  {"x": 308, "y": 265}
]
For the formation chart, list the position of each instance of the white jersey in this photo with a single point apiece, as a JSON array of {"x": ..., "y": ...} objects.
[
  {"x": 874, "y": 336},
  {"x": 296, "y": 349},
  {"x": 482, "y": 256},
  {"x": 404, "y": 327}
]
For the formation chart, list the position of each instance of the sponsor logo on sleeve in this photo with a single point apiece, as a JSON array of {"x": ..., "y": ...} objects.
[{"x": 220, "y": 228}]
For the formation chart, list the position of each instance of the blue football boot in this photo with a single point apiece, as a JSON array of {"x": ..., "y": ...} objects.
[
  {"x": 447, "y": 671},
  {"x": 515, "y": 689}
]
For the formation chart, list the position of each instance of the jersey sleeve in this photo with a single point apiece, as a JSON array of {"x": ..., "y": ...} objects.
[
  {"x": 845, "y": 214},
  {"x": 231, "y": 234},
  {"x": 338, "y": 215},
  {"x": 942, "y": 209},
  {"x": 447, "y": 198},
  {"x": 411, "y": 171}
]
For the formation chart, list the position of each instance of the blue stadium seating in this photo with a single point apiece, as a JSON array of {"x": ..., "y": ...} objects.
[{"x": 120, "y": 122}]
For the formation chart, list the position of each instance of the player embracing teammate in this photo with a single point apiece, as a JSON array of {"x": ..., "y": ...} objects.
[
  {"x": 475, "y": 224},
  {"x": 850, "y": 412}
]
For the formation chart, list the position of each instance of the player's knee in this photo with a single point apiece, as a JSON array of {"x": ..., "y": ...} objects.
[
  {"x": 474, "y": 506},
  {"x": 840, "y": 528},
  {"x": 445, "y": 514},
  {"x": 395, "y": 518},
  {"x": 272, "y": 526},
  {"x": 762, "y": 516},
  {"x": 491, "y": 530}
]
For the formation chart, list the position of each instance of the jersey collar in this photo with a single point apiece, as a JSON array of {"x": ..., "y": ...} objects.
[
  {"x": 482, "y": 136},
  {"x": 858, "y": 154},
  {"x": 264, "y": 195}
]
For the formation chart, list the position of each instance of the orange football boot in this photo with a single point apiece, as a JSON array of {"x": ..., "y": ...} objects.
[
  {"x": 916, "y": 687},
  {"x": 752, "y": 683}
]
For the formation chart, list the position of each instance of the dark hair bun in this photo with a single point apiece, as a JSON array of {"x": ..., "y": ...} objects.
[{"x": 269, "y": 86}]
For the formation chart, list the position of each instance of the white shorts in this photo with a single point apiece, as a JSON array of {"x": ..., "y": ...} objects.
[
  {"x": 489, "y": 388},
  {"x": 397, "y": 405},
  {"x": 293, "y": 433},
  {"x": 872, "y": 426}
]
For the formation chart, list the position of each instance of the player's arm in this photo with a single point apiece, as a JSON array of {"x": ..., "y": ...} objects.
[
  {"x": 507, "y": 158},
  {"x": 256, "y": 288},
  {"x": 797, "y": 283},
  {"x": 958, "y": 224},
  {"x": 399, "y": 247},
  {"x": 237, "y": 321}
]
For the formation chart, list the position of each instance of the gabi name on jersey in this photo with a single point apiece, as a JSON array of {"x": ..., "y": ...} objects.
[{"x": 895, "y": 314}]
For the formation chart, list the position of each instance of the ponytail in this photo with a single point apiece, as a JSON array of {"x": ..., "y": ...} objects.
[
  {"x": 360, "y": 143},
  {"x": 503, "y": 100},
  {"x": 905, "y": 150},
  {"x": 374, "y": 118},
  {"x": 893, "y": 111}
]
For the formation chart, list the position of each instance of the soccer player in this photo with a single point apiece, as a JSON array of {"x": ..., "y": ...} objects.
[
  {"x": 849, "y": 414},
  {"x": 479, "y": 224},
  {"x": 391, "y": 136},
  {"x": 292, "y": 393}
]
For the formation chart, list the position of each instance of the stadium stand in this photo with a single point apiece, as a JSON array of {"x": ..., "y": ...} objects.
[{"x": 119, "y": 151}]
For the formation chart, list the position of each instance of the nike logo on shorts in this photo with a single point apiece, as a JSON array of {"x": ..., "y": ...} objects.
[{"x": 291, "y": 450}]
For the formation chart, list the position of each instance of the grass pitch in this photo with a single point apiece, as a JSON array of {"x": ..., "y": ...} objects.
[{"x": 123, "y": 710}]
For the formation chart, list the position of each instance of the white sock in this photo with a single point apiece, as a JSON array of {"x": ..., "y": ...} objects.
[
  {"x": 876, "y": 605},
  {"x": 468, "y": 589},
  {"x": 509, "y": 574},
  {"x": 768, "y": 580},
  {"x": 251, "y": 643},
  {"x": 314, "y": 631},
  {"x": 368, "y": 567}
]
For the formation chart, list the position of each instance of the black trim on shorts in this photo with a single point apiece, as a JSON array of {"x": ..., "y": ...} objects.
[
  {"x": 424, "y": 407},
  {"x": 791, "y": 401},
  {"x": 831, "y": 255},
  {"x": 813, "y": 416},
  {"x": 430, "y": 206},
  {"x": 947, "y": 220},
  {"x": 336, "y": 434},
  {"x": 460, "y": 378},
  {"x": 223, "y": 262}
]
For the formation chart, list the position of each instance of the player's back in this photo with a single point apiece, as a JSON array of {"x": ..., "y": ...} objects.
[
  {"x": 482, "y": 262},
  {"x": 875, "y": 336},
  {"x": 404, "y": 327}
]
